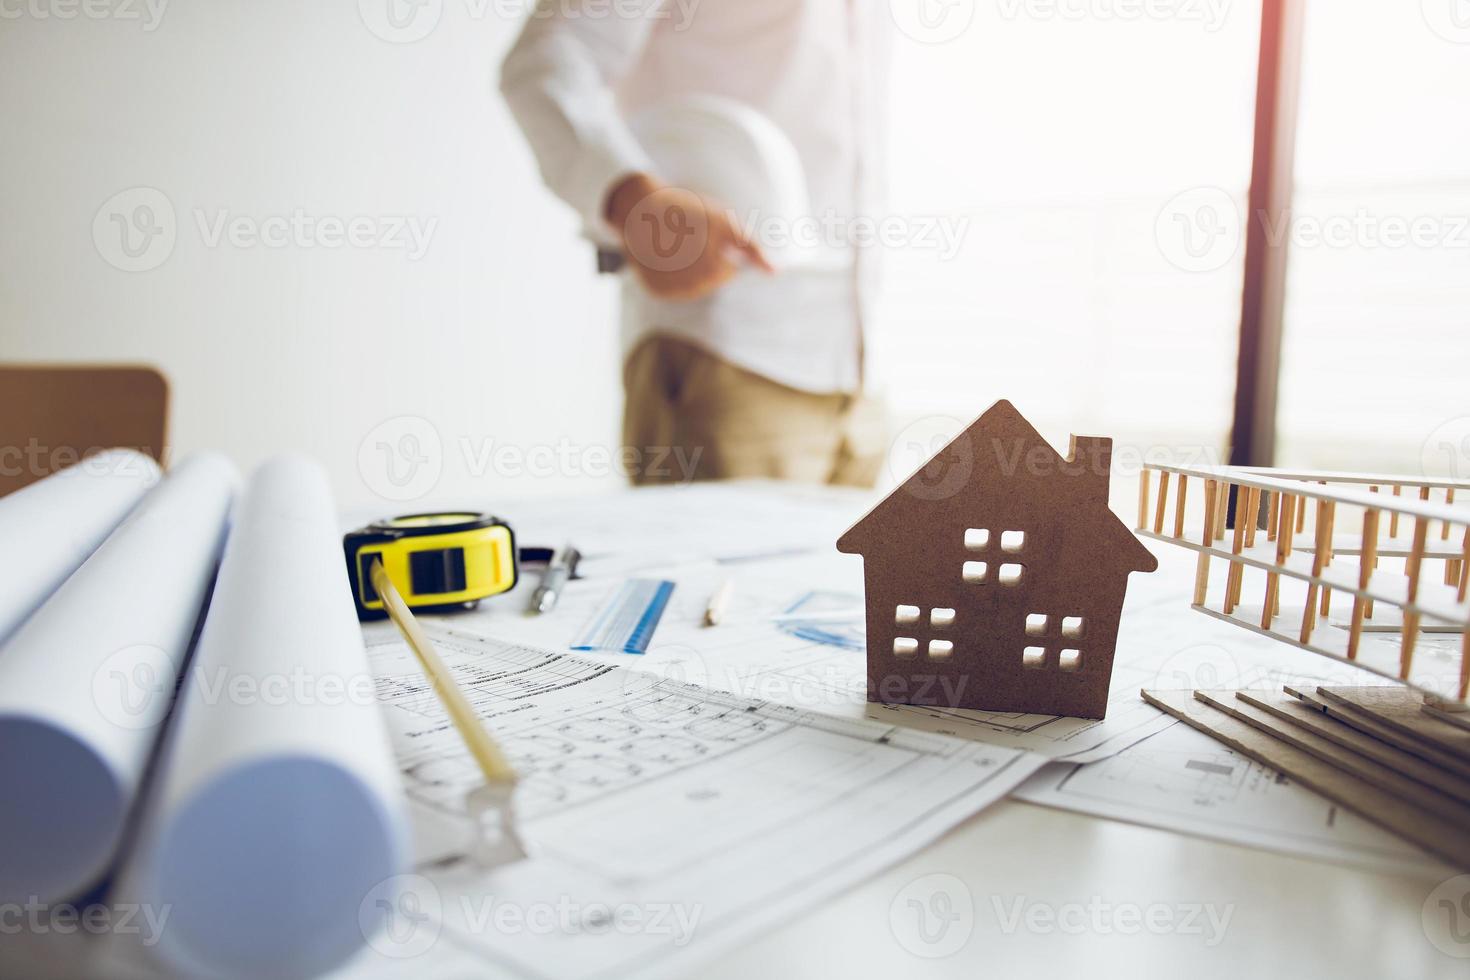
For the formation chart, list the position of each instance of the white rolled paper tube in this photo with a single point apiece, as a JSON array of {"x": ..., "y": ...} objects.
[
  {"x": 50, "y": 527},
  {"x": 279, "y": 808},
  {"x": 86, "y": 683}
]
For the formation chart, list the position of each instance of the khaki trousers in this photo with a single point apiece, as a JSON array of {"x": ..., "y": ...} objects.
[{"x": 691, "y": 416}]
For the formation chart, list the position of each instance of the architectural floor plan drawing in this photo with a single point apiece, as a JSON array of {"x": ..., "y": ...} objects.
[
  {"x": 1164, "y": 644},
  {"x": 643, "y": 795},
  {"x": 1185, "y": 781}
]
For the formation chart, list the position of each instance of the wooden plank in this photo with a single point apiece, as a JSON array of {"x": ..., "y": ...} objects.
[
  {"x": 1383, "y": 776},
  {"x": 1366, "y": 724},
  {"x": 1365, "y": 572},
  {"x": 1447, "y": 838},
  {"x": 1236, "y": 573},
  {"x": 1330, "y": 548},
  {"x": 1179, "y": 507},
  {"x": 1319, "y": 556},
  {"x": 1402, "y": 710},
  {"x": 1143, "y": 498},
  {"x": 1222, "y": 508},
  {"x": 1163, "y": 500},
  {"x": 1271, "y": 606},
  {"x": 1460, "y": 718},
  {"x": 1411, "y": 618},
  {"x": 1253, "y": 512},
  {"x": 1294, "y": 711},
  {"x": 1202, "y": 567}
]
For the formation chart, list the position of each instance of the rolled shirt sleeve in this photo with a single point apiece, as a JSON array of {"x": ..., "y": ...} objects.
[{"x": 559, "y": 79}]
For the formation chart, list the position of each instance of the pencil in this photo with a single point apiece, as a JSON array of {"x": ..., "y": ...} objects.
[
  {"x": 718, "y": 602},
  {"x": 492, "y": 761}
]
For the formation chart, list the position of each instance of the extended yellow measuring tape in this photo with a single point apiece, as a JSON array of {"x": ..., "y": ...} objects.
[{"x": 434, "y": 560}]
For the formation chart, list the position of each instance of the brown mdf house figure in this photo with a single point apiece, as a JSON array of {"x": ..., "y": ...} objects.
[{"x": 995, "y": 575}]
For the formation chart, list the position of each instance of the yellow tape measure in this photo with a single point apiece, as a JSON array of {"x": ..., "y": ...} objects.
[{"x": 434, "y": 560}]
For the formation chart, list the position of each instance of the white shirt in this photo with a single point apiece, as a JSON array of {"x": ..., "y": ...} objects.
[{"x": 816, "y": 68}]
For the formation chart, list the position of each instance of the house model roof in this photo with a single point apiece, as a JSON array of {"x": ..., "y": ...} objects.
[{"x": 1001, "y": 462}]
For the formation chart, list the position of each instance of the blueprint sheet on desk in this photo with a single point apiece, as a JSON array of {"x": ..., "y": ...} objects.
[
  {"x": 1185, "y": 781},
  {"x": 699, "y": 817},
  {"x": 1162, "y": 643}
]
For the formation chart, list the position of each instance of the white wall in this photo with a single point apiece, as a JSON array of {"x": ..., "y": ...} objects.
[{"x": 498, "y": 335}]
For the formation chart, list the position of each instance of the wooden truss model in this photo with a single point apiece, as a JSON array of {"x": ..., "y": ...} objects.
[{"x": 1380, "y": 541}]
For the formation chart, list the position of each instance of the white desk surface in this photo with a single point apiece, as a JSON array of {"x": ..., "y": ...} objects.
[{"x": 1286, "y": 915}]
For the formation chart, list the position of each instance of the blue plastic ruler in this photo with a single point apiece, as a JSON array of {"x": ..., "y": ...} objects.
[{"x": 625, "y": 624}]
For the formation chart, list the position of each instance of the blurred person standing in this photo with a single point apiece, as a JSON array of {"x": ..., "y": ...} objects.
[{"x": 744, "y": 369}]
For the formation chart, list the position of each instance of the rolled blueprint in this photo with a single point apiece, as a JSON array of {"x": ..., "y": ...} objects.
[
  {"x": 51, "y": 526},
  {"x": 86, "y": 683},
  {"x": 279, "y": 808}
]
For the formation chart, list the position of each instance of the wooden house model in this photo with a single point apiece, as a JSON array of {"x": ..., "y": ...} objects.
[{"x": 995, "y": 575}]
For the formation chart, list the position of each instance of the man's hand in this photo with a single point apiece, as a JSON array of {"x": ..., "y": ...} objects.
[{"x": 680, "y": 246}]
